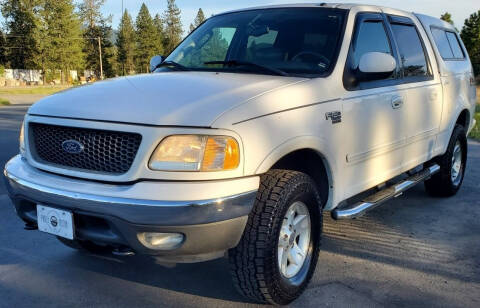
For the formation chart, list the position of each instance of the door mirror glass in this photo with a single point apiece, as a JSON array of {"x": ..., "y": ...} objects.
[
  {"x": 376, "y": 65},
  {"x": 155, "y": 61}
]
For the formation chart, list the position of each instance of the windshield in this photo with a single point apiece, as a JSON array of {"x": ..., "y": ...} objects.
[{"x": 294, "y": 41}]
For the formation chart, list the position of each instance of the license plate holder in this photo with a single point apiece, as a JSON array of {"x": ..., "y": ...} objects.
[{"x": 55, "y": 221}]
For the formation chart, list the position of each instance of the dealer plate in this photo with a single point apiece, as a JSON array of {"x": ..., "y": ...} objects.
[{"x": 55, "y": 221}]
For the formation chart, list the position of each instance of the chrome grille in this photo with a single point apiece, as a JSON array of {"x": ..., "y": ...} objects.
[{"x": 101, "y": 150}]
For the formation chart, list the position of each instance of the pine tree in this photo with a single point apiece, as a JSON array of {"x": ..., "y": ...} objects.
[
  {"x": 158, "y": 23},
  {"x": 3, "y": 45},
  {"x": 147, "y": 37},
  {"x": 447, "y": 17},
  {"x": 173, "y": 26},
  {"x": 199, "y": 19},
  {"x": 126, "y": 45},
  {"x": 59, "y": 37},
  {"x": 20, "y": 25},
  {"x": 215, "y": 49},
  {"x": 471, "y": 38},
  {"x": 97, "y": 26}
]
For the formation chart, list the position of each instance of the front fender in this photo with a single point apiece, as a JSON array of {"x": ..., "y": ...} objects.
[{"x": 317, "y": 144}]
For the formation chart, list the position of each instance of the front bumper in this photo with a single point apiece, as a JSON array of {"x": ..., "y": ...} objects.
[{"x": 113, "y": 215}]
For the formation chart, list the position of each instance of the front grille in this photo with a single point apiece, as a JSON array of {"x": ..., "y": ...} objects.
[{"x": 103, "y": 151}]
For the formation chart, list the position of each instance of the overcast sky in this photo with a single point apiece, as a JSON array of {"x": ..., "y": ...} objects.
[{"x": 460, "y": 9}]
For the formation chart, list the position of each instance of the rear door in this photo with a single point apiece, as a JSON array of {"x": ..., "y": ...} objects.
[{"x": 422, "y": 94}]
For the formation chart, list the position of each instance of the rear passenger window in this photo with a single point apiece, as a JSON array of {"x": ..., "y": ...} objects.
[
  {"x": 371, "y": 37},
  {"x": 447, "y": 44},
  {"x": 453, "y": 40},
  {"x": 411, "y": 50},
  {"x": 442, "y": 43}
]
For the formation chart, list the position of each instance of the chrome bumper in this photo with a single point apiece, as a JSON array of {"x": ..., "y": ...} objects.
[{"x": 222, "y": 217}]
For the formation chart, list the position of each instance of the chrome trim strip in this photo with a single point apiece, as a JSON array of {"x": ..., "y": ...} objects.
[
  {"x": 36, "y": 188},
  {"x": 362, "y": 207}
]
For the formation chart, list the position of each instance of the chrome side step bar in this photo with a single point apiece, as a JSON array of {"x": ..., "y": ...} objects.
[{"x": 371, "y": 202}]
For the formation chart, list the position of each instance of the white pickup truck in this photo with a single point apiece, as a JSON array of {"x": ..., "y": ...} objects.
[{"x": 255, "y": 125}]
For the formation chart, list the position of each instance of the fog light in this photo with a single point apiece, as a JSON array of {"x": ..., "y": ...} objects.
[{"x": 160, "y": 241}]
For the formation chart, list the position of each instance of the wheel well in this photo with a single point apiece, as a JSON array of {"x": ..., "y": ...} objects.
[
  {"x": 464, "y": 119},
  {"x": 310, "y": 162}
]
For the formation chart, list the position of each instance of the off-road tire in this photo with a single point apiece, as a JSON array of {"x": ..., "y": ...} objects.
[
  {"x": 441, "y": 184},
  {"x": 254, "y": 262}
]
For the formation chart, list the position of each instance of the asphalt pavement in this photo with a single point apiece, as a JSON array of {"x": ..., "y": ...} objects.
[{"x": 414, "y": 251}]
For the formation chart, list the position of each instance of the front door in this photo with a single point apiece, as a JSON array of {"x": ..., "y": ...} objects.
[{"x": 374, "y": 117}]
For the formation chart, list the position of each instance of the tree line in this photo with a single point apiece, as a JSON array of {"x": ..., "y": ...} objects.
[{"x": 59, "y": 36}]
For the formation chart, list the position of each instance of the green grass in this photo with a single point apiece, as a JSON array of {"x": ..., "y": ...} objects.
[
  {"x": 4, "y": 102},
  {"x": 475, "y": 133},
  {"x": 45, "y": 90}
]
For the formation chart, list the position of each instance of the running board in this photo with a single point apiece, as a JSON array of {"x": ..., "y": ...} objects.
[{"x": 372, "y": 201}]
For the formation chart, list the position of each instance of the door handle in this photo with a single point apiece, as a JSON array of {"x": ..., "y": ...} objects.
[{"x": 397, "y": 102}]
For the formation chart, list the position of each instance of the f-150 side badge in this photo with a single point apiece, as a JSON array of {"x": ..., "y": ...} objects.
[{"x": 335, "y": 116}]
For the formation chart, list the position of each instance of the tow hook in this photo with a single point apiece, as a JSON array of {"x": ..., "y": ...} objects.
[
  {"x": 30, "y": 226},
  {"x": 123, "y": 252}
]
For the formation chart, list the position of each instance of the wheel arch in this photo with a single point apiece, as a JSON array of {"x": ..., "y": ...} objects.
[
  {"x": 464, "y": 119},
  {"x": 305, "y": 154}
]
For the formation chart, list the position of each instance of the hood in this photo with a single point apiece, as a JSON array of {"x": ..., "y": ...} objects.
[{"x": 170, "y": 99}]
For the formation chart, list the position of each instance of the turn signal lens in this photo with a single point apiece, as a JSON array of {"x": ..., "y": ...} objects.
[
  {"x": 221, "y": 153},
  {"x": 196, "y": 153}
]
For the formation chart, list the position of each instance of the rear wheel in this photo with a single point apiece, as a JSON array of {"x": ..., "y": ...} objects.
[
  {"x": 278, "y": 252},
  {"x": 452, "y": 166}
]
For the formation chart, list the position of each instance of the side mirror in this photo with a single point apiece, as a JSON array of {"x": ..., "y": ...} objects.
[
  {"x": 155, "y": 61},
  {"x": 376, "y": 65}
]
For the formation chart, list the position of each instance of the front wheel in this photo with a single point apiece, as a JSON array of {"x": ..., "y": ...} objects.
[
  {"x": 452, "y": 166},
  {"x": 278, "y": 252}
]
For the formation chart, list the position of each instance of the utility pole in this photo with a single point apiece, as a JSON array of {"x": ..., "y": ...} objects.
[{"x": 100, "y": 55}]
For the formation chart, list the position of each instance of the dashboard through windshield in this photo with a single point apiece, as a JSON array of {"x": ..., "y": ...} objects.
[{"x": 286, "y": 41}]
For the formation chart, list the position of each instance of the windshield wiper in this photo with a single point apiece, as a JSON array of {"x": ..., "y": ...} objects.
[
  {"x": 174, "y": 64},
  {"x": 252, "y": 64}
]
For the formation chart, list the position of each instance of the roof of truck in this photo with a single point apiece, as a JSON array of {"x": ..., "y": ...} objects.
[
  {"x": 425, "y": 19},
  {"x": 323, "y": 4}
]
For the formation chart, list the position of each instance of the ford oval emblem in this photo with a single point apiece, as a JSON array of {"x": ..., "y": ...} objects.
[{"x": 72, "y": 146}]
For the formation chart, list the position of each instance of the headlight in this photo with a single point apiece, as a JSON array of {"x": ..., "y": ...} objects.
[
  {"x": 21, "y": 139},
  {"x": 196, "y": 153}
]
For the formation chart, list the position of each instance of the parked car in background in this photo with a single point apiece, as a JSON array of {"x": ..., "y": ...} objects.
[{"x": 258, "y": 123}]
